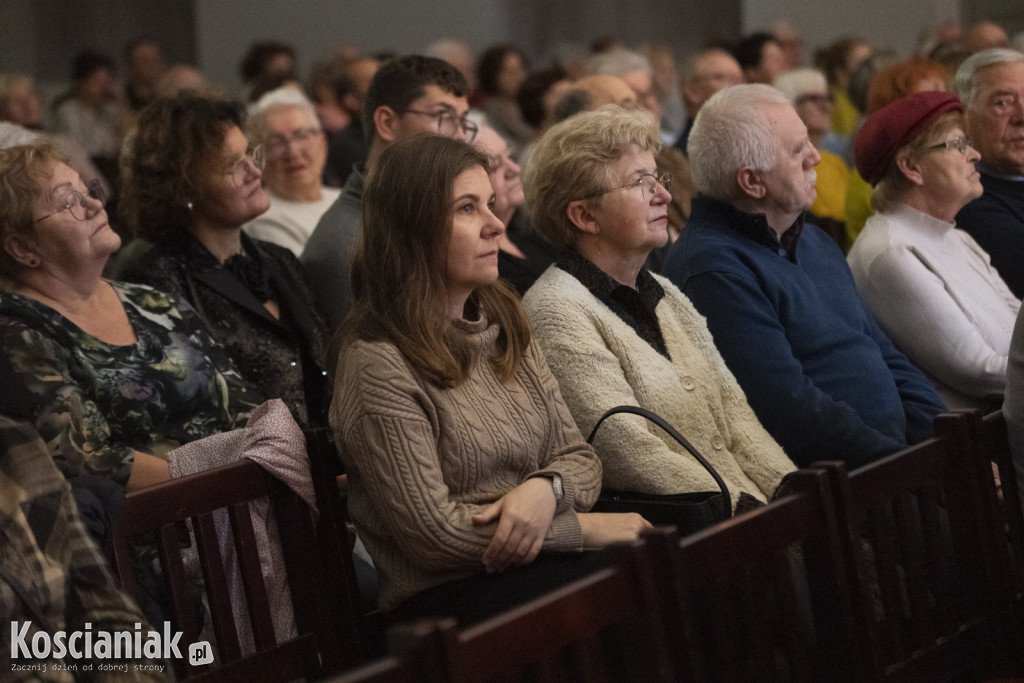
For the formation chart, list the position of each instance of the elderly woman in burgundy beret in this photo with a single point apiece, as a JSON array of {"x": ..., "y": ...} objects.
[{"x": 930, "y": 285}]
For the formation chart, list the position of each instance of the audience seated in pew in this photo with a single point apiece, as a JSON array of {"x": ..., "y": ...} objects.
[
  {"x": 468, "y": 480},
  {"x": 929, "y": 285},
  {"x": 113, "y": 375},
  {"x": 616, "y": 334},
  {"x": 284, "y": 123},
  {"x": 190, "y": 182},
  {"x": 778, "y": 296}
]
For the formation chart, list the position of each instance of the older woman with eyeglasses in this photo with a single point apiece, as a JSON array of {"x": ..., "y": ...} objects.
[
  {"x": 929, "y": 285},
  {"x": 190, "y": 182},
  {"x": 113, "y": 375},
  {"x": 284, "y": 122},
  {"x": 616, "y": 334}
]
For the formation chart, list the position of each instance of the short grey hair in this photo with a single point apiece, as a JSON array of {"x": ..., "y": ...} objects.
[
  {"x": 796, "y": 83},
  {"x": 280, "y": 97},
  {"x": 731, "y": 131},
  {"x": 617, "y": 63},
  {"x": 965, "y": 81}
]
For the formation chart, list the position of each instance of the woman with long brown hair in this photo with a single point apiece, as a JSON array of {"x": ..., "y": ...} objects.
[{"x": 464, "y": 463}]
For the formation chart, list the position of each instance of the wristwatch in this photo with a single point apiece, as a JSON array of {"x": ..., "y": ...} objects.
[{"x": 556, "y": 486}]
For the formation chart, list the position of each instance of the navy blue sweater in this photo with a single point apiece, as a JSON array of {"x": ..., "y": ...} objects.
[
  {"x": 996, "y": 221},
  {"x": 823, "y": 379}
]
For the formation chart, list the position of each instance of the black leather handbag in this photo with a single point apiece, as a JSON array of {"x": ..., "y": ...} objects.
[{"x": 688, "y": 512}]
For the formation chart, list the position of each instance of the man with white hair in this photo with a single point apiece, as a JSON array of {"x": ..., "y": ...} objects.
[
  {"x": 991, "y": 86},
  {"x": 285, "y": 123},
  {"x": 778, "y": 296}
]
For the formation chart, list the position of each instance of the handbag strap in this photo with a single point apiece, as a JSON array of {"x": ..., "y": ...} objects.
[{"x": 658, "y": 420}]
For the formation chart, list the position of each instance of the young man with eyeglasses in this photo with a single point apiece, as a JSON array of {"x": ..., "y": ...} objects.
[
  {"x": 284, "y": 122},
  {"x": 408, "y": 96}
]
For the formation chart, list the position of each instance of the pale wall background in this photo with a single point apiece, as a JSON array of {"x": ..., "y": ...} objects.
[{"x": 40, "y": 36}]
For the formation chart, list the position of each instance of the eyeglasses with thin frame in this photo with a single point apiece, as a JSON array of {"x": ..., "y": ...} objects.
[
  {"x": 77, "y": 203},
  {"x": 648, "y": 183},
  {"x": 241, "y": 169},
  {"x": 278, "y": 145},
  {"x": 960, "y": 143},
  {"x": 448, "y": 123}
]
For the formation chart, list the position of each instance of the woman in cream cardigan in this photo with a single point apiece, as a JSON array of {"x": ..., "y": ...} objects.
[{"x": 614, "y": 333}]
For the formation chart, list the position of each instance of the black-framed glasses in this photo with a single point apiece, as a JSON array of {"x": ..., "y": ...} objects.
[
  {"x": 278, "y": 145},
  {"x": 960, "y": 143},
  {"x": 241, "y": 169},
  {"x": 648, "y": 183},
  {"x": 448, "y": 123},
  {"x": 77, "y": 203}
]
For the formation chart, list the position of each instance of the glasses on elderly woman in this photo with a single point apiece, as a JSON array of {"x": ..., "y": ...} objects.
[
  {"x": 278, "y": 145},
  {"x": 959, "y": 143},
  {"x": 76, "y": 202},
  {"x": 648, "y": 183},
  {"x": 241, "y": 169}
]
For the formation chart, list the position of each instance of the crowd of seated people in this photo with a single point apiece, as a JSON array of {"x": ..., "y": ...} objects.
[{"x": 459, "y": 275}]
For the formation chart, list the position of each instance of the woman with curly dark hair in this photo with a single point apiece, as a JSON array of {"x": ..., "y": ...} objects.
[{"x": 190, "y": 181}]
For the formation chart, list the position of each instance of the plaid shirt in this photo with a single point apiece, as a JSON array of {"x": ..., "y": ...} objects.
[{"x": 45, "y": 549}]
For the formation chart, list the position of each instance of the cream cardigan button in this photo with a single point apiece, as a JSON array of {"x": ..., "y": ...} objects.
[
  {"x": 717, "y": 442},
  {"x": 688, "y": 383}
]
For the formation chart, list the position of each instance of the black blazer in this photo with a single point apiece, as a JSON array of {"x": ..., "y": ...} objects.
[{"x": 282, "y": 358}]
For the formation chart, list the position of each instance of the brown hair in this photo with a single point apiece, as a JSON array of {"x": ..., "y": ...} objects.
[
  {"x": 22, "y": 171},
  {"x": 894, "y": 183},
  {"x": 163, "y": 158},
  {"x": 398, "y": 281}
]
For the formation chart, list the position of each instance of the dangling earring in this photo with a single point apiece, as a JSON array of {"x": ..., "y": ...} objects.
[{"x": 189, "y": 205}]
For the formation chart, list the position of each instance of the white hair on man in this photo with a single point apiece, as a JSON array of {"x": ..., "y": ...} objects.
[
  {"x": 280, "y": 97},
  {"x": 618, "y": 62},
  {"x": 965, "y": 81},
  {"x": 731, "y": 131},
  {"x": 798, "y": 82}
]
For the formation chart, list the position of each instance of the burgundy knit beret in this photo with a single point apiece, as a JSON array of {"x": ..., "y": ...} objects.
[{"x": 895, "y": 125}]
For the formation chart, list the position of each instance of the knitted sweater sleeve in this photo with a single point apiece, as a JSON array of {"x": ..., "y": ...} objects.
[
  {"x": 388, "y": 431},
  {"x": 568, "y": 455}
]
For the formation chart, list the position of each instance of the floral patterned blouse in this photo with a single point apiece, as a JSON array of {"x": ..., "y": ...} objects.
[{"x": 96, "y": 403}]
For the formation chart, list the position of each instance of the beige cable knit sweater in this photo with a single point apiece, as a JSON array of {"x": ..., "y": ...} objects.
[
  {"x": 422, "y": 460},
  {"x": 600, "y": 362}
]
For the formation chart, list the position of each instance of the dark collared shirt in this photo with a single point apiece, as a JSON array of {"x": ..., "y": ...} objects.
[
  {"x": 756, "y": 226},
  {"x": 634, "y": 306}
]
